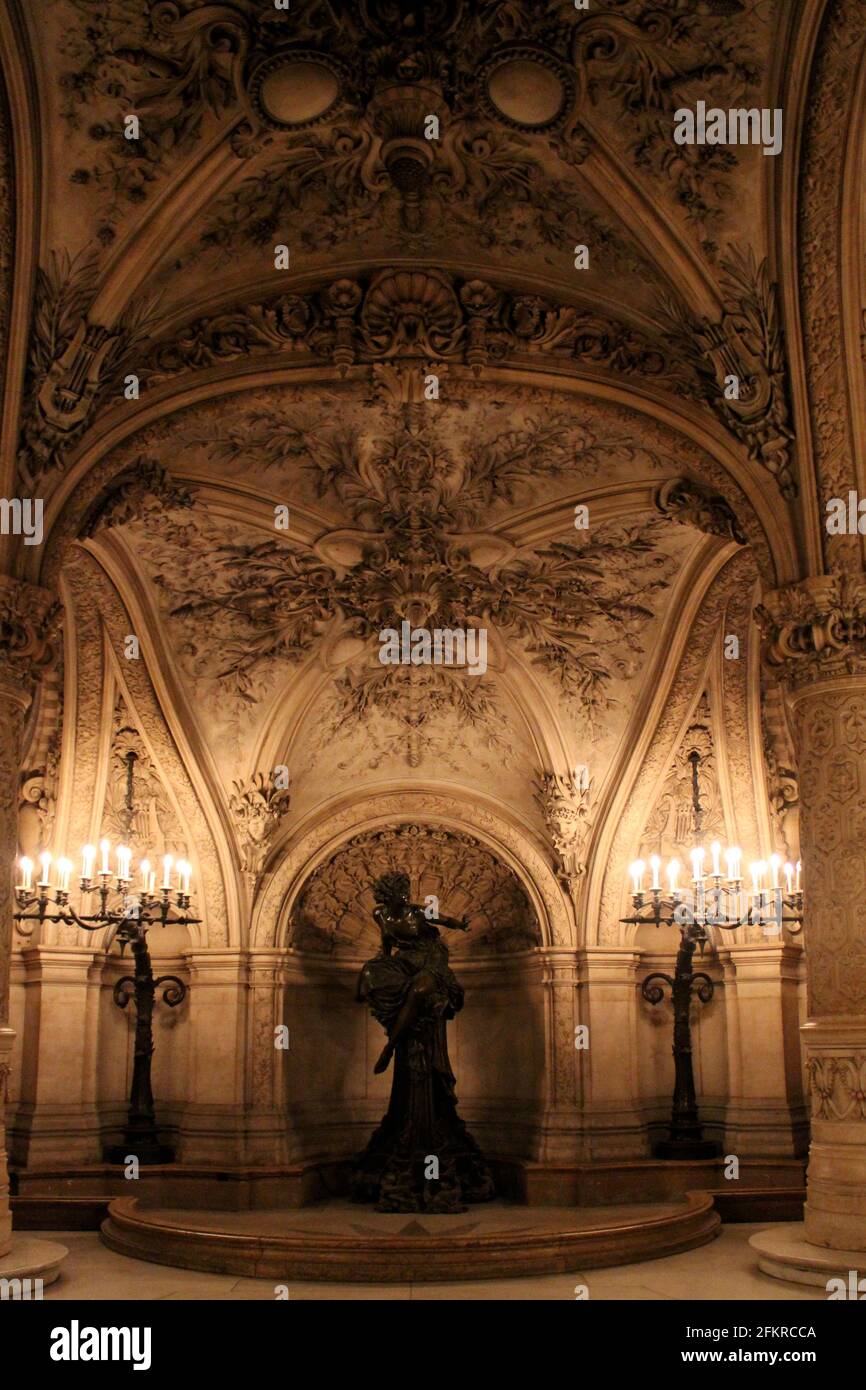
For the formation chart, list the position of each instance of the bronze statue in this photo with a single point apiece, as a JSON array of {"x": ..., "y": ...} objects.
[{"x": 421, "y": 1158}]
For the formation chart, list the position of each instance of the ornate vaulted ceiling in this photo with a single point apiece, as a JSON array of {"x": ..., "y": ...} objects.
[{"x": 323, "y": 210}]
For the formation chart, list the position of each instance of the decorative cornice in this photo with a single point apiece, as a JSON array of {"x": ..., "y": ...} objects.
[
  {"x": 685, "y": 501},
  {"x": 422, "y": 314},
  {"x": 816, "y": 627}
]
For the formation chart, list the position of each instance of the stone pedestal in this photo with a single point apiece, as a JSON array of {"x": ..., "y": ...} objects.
[
  {"x": 57, "y": 1118},
  {"x": 612, "y": 1125},
  {"x": 766, "y": 1111}
]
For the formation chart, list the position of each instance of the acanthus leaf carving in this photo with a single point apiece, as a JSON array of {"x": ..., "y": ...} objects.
[
  {"x": 258, "y": 806},
  {"x": 566, "y": 803},
  {"x": 816, "y": 626}
]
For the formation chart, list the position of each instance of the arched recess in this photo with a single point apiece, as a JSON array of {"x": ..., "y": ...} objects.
[
  {"x": 633, "y": 785},
  {"x": 96, "y": 599},
  {"x": 297, "y": 855}
]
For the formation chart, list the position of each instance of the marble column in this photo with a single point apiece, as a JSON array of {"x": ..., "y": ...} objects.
[
  {"x": 27, "y": 618},
  {"x": 817, "y": 635}
]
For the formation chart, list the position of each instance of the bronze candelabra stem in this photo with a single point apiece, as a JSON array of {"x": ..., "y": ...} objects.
[{"x": 129, "y": 922}]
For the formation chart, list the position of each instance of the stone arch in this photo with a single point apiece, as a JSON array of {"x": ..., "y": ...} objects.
[{"x": 295, "y": 860}]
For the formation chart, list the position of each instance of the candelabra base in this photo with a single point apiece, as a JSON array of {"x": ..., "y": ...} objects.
[
  {"x": 148, "y": 1152},
  {"x": 687, "y": 1149}
]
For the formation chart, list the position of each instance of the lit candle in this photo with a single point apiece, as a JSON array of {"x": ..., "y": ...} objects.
[
  {"x": 183, "y": 875},
  {"x": 26, "y": 866},
  {"x": 673, "y": 871},
  {"x": 715, "y": 851},
  {"x": 775, "y": 861},
  {"x": 655, "y": 865},
  {"x": 45, "y": 861},
  {"x": 732, "y": 858},
  {"x": 757, "y": 870},
  {"x": 144, "y": 866},
  {"x": 797, "y": 887},
  {"x": 789, "y": 878},
  {"x": 151, "y": 886},
  {"x": 636, "y": 872},
  {"x": 88, "y": 859},
  {"x": 124, "y": 861},
  {"x": 64, "y": 869},
  {"x": 167, "y": 862},
  {"x": 697, "y": 864},
  {"x": 105, "y": 846}
]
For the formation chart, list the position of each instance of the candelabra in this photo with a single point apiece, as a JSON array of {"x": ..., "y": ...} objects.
[
  {"x": 712, "y": 899},
  {"x": 128, "y": 912}
]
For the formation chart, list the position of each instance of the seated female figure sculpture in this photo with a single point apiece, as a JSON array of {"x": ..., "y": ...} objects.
[{"x": 421, "y": 1158}]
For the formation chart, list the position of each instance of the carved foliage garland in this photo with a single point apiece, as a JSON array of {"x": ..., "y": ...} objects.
[
  {"x": 417, "y": 552},
  {"x": 333, "y": 913}
]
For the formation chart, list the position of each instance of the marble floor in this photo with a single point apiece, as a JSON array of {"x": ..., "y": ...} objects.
[{"x": 725, "y": 1268}]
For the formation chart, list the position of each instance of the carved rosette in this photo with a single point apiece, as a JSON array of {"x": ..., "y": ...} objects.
[{"x": 258, "y": 806}]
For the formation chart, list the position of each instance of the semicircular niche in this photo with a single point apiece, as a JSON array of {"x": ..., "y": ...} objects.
[{"x": 333, "y": 914}]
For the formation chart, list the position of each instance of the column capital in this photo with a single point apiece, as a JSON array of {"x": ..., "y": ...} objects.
[
  {"x": 29, "y": 623},
  {"x": 815, "y": 629}
]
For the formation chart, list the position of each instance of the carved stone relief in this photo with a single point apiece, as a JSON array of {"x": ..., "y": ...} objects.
[{"x": 333, "y": 913}]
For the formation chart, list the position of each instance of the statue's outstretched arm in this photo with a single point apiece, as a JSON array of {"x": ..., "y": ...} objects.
[{"x": 461, "y": 924}]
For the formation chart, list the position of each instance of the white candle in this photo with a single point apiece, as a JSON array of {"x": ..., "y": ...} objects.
[
  {"x": 45, "y": 861},
  {"x": 144, "y": 867},
  {"x": 26, "y": 866},
  {"x": 183, "y": 875},
  {"x": 655, "y": 865},
  {"x": 167, "y": 862},
  {"x": 775, "y": 861},
  {"x": 697, "y": 864},
  {"x": 105, "y": 847},
  {"x": 151, "y": 885},
  {"x": 124, "y": 860},
  {"x": 636, "y": 871},
  {"x": 88, "y": 859},
  {"x": 715, "y": 851},
  {"x": 64, "y": 869},
  {"x": 797, "y": 887},
  {"x": 673, "y": 871},
  {"x": 789, "y": 878}
]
